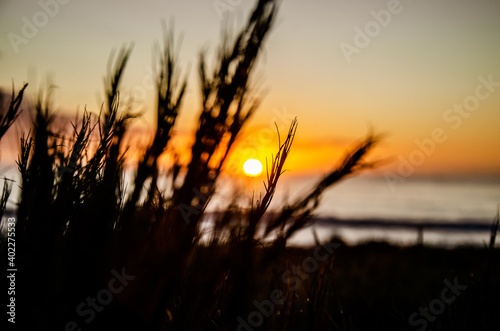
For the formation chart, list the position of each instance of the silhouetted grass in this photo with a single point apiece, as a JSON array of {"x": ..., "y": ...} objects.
[
  {"x": 75, "y": 222},
  {"x": 8, "y": 116}
]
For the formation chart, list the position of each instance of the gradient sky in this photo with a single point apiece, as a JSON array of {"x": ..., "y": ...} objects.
[{"x": 427, "y": 58}]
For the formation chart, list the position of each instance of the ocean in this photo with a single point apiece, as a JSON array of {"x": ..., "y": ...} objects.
[
  {"x": 415, "y": 199},
  {"x": 457, "y": 210}
]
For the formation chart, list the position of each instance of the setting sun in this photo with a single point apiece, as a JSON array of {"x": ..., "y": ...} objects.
[{"x": 252, "y": 167}]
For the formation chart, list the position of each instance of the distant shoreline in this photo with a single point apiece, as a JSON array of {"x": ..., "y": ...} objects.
[
  {"x": 461, "y": 224},
  {"x": 465, "y": 224}
]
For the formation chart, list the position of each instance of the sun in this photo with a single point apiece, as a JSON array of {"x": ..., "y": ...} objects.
[{"x": 252, "y": 167}]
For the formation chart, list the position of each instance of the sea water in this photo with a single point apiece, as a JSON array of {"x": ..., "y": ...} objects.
[
  {"x": 431, "y": 199},
  {"x": 464, "y": 200}
]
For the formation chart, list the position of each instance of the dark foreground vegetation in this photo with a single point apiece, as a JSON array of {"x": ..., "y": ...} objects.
[{"x": 92, "y": 256}]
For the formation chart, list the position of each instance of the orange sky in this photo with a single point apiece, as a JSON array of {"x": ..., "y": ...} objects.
[{"x": 427, "y": 58}]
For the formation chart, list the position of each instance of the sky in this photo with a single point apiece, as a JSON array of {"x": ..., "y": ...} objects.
[{"x": 424, "y": 73}]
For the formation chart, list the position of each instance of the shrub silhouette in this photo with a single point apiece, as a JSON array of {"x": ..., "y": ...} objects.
[{"x": 75, "y": 222}]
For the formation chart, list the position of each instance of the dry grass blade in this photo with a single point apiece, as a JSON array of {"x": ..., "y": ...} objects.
[
  {"x": 7, "y": 188},
  {"x": 170, "y": 92},
  {"x": 113, "y": 79},
  {"x": 12, "y": 113},
  {"x": 277, "y": 168},
  {"x": 298, "y": 214},
  {"x": 81, "y": 137},
  {"x": 273, "y": 174}
]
